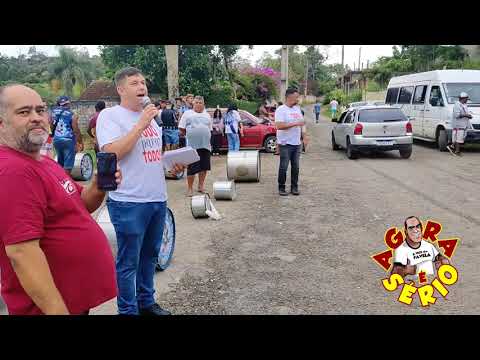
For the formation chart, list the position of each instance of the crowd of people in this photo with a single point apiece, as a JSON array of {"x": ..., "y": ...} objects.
[{"x": 59, "y": 261}]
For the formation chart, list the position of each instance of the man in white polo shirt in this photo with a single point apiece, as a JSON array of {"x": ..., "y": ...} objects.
[
  {"x": 289, "y": 122},
  {"x": 415, "y": 254}
]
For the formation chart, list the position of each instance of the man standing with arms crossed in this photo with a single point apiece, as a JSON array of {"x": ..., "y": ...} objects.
[
  {"x": 138, "y": 207},
  {"x": 289, "y": 122}
]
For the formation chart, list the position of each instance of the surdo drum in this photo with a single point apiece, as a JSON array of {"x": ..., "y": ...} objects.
[
  {"x": 243, "y": 165},
  {"x": 168, "y": 241}
]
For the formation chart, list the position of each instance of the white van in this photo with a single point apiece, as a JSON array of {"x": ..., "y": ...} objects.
[{"x": 427, "y": 99}]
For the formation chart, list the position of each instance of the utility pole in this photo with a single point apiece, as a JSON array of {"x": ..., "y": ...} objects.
[
  {"x": 306, "y": 77},
  {"x": 171, "y": 54},
  {"x": 284, "y": 73},
  {"x": 343, "y": 55},
  {"x": 359, "y": 55}
]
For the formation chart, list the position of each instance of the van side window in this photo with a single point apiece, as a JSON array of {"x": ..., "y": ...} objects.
[
  {"x": 405, "y": 95},
  {"x": 392, "y": 95},
  {"x": 419, "y": 96},
  {"x": 436, "y": 96}
]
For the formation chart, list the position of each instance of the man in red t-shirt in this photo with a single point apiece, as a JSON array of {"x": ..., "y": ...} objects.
[{"x": 54, "y": 258}]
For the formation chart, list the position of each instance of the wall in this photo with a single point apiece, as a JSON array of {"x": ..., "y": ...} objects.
[{"x": 86, "y": 109}]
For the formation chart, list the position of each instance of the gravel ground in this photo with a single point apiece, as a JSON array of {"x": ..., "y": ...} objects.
[{"x": 311, "y": 254}]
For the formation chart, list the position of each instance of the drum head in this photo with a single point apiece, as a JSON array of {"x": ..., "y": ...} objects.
[
  {"x": 168, "y": 242},
  {"x": 86, "y": 167}
]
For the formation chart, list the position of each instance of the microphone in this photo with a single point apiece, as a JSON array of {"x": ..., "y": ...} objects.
[{"x": 146, "y": 101}]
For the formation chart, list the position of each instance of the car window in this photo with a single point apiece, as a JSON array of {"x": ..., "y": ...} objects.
[
  {"x": 436, "y": 98},
  {"x": 405, "y": 95},
  {"x": 392, "y": 95},
  {"x": 342, "y": 117},
  {"x": 349, "y": 117},
  {"x": 246, "y": 118},
  {"x": 381, "y": 115},
  {"x": 419, "y": 96}
]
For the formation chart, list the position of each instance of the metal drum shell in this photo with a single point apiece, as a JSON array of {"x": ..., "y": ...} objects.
[
  {"x": 77, "y": 167},
  {"x": 102, "y": 217},
  {"x": 199, "y": 205},
  {"x": 244, "y": 165},
  {"x": 224, "y": 190}
]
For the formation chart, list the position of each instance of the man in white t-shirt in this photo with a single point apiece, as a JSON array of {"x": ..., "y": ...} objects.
[
  {"x": 415, "y": 254},
  {"x": 138, "y": 207},
  {"x": 197, "y": 126},
  {"x": 290, "y": 124}
]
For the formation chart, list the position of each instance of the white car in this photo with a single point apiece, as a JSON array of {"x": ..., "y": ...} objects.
[{"x": 378, "y": 128}]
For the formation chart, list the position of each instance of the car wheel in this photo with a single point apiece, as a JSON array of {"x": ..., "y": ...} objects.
[
  {"x": 351, "y": 154},
  {"x": 334, "y": 144},
  {"x": 406, "y": 153},
  {"x": 168, "y": 242},
  {"x": 270, "y": 144},
  {"x": 442, "y": 140}
]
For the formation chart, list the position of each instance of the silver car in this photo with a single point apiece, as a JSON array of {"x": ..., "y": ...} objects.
[{"x": 377, "y": 128}]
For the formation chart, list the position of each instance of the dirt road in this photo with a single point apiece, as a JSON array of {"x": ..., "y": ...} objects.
[{"x": 311, "y": 254}]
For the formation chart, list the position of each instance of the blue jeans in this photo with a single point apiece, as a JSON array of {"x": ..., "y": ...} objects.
[
  {"x": 139, "y": 230},
  {"x": 65, "y": 149},
  {"x": 233, "y": 142},
  {"x": 171, "y": 136}
]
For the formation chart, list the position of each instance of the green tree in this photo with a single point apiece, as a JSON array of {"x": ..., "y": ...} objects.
[{"x": 71, "y": 69}]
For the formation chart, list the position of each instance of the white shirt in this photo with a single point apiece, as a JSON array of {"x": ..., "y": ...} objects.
[
  {"x": 288, "y": 115},
  {"x": 198, "y": 127},
  {"x": 423, "y": 257},
  {"x": 234, "y": 118},
  {"x": 143, "y": 178},
  {"x": 460, "y": 121},
  {"x": 333, "y": 104}
]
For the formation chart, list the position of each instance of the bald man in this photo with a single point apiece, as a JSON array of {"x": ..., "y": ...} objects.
[{"x": 54, "y": 258}]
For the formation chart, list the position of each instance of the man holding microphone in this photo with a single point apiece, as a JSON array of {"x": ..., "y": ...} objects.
[{"x": 138, "y": 207}]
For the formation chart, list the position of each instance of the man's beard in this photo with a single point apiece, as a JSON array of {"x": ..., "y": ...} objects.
[{"x": 30, "y": 143}]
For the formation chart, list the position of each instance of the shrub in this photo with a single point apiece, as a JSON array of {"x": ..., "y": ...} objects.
[
  {"x": 373, "y": 86},
  {"x": 256, "y": 84},
  {"x": 354, "y": 96},
  {"x": 337, "y": 94},
  {"x": 250, "y": 106},
  {"x": 220, "y": 95},
  {"x": 342, "y": 97}
]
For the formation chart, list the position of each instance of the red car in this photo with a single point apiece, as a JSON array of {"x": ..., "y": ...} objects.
[{"x": 257, "y": 135}]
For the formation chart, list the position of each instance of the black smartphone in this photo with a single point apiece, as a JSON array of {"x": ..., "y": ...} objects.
[{"x": 106, "y": 169}]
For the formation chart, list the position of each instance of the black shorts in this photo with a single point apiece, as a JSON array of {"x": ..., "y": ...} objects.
[{"x": 202, "y": 165}]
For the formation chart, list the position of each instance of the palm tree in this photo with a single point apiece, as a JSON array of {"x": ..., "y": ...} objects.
[{"x": 70, "y": 69}]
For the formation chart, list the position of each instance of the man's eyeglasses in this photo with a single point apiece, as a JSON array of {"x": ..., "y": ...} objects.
[{"x": 418, "y": 226}]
